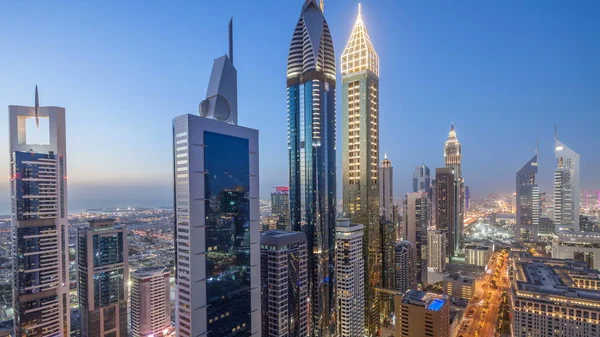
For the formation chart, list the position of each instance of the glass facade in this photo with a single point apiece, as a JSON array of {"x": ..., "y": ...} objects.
[
  {"x": 34, "y": 178},
  {"x": 227, "y": 235}
]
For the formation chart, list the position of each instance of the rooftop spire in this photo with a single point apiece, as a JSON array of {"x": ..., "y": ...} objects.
[
  {"x": 231, "y": 40},
  {"x": 385, "y": 155},
  {"x": 452, "y": 127},
  {"x": 537, "y": 146},
  {"x": 359, "y": 53},
  {"x": 37, "y": 108},
  {"x": 322, "y": 5}
]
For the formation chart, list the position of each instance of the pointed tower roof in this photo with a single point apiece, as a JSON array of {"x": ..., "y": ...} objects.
[
  {"x": 452, "y": 133},
  {"x": 359, "y": 53}
]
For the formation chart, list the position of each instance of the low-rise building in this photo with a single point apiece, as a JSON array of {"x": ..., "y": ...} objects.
[
  {"x": 582, "y": 246},
  {"x": 420, "y": 313},
  {"x": 478, "y": 255},
  {"x": 459, "y": 286}
]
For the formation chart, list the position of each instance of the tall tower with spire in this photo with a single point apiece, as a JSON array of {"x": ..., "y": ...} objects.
[
  {"x": 311, "y": 79},
  {"x": 452, "y": 159},
  {"x": 360, "y": 156},
  {"x": 453, "y": 152},
  {"x": 566, "y": 187}
]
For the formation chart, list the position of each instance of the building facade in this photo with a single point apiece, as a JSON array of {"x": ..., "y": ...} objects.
[
  {"x": 406, "y": 266},
  {"x": 311, "y": 79},
  {"x": 416, "y": 221},
  {"x": 436, "y": 250},
  {"x": 581, "y": 246},
  {"x": 360, "y": 156},
  {"x": 150, "y": 302},
  {"x": 478, "y": 255},
  {"x": 566, "y": 187},
  {"x": 103, "y": 273},
  {"x": 284, "y": 284},
  {"x": 280, "y": 207},
  {"x": 421, "y": 179},
  {"x": 350, "y": 269},
  {"x": 446, "y": 207},
  {"x": 419, "y": 314},
  {"x": 217, "y": 234},
  {"x": 39, "y": 224},
  {"x": 528, "y": 202},
  {"x": 459, "y": 286},
  {"x": 386, "y": 190},
  {"x": 453, "y": 159}
]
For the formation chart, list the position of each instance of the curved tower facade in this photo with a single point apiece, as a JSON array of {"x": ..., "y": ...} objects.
[
  {"x": 528, "y": 202},
  {"x": 311, "y": 76},
  {"x": 360, "y": 156},
  {"x": 566, "y": 187}
]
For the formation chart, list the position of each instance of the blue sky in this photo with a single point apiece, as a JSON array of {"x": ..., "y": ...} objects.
[{"x": 503, "y": 71}]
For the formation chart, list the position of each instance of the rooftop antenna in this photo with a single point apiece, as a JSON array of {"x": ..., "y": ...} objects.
[
  {"x": 231, "y": 40},
  {"x": 37, "y": 108},
  {"x": 537, "y": 146},
  {"x": 555, "y": 133}
]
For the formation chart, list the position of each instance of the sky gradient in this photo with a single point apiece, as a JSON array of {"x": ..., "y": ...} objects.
[{"x": 503, "y": 71}]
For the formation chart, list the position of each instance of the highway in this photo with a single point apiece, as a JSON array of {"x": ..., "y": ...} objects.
[{"x": 481, "y": 314}]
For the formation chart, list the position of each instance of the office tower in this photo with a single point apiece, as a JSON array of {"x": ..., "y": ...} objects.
[
  {"x": 514, "y": 203},
  {"x": 546, "y": 226},
  {"x": 284, "y": 284},
  {"x": 421, "y": 179},
  {"x": 459, "y": 286},
  {"x": 542, "y": 305},
  {"x": 453, "y": 158},
  {"x": 311, "y": 78},
  {"x": 360, "y": 155},
  {"x": 436, "y": 250},
  {"x": 419, "y": 314},
  {"x": 280, "y": 207},
  {"x": 406, "y": 266},
  {"x": 416, "y": 220},
  {"x": 349, "y": 271},
  {"x": 386, "y": 190},
  {"x": 103, "y": 273},
  {"x": 150, "y": 302},
  {"x": 39, "y": 226},
  {"x": 566, "y": 187},
  {"x": 217, "y": 218},
  {"x": 528, "y": 202},
  {"x": 446, "y": 207},
  {"x": 578, "y": 246},
  {"x": 478, "y": 255}
]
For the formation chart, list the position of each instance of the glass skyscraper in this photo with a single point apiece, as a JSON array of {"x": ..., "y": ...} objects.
[
  {"x": 528, "y": 202},
  {"x": 311, "y": 76},
  {"x": 566, "y": 187},
  {"x": 421, "y": 179}
]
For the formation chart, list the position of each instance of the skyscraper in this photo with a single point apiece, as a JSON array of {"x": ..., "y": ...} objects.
[
  {"x": 150, "y": 302},
  {"x": 280, "y": 207},
  {"x": 528, "y": 202},
  {"x": 436, "y": 250},
  {"x": 311, "y": 78},
  {"x": 360, "y": 155},
  {"x": 217, "y": 234},
  {"x": 284, "y": 284},
  {"x": 406, "y": 266},
  {"x": 386, "y": 190},
  {"x": 566, "y": 187},
  {"x": 39, "y": 226},
  {"x": 453, "y": 158},
  {"x": 350, "y": 269},
  {"x": 103, "y": 273},
  {"x": 421, "y": 179},
  {"x": 416, "y": 221},
  {"x": 446, "y": 204}
]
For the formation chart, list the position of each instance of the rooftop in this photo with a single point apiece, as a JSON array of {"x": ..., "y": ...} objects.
[
  {"x": 149, "y": 271},
  {"x": 477, "y": 247},
  {"x": 431, "y": 301},
  {"x": 279, "y": 237}
]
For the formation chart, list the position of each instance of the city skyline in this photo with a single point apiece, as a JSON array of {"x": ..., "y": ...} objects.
[{"x": 424, "y": 74}]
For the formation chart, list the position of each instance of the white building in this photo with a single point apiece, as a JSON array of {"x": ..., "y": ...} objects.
[
  {"x": 284, "y": 283},
  {"x": 459, "y": 286},
  {"x": 217, "y": 234},
  {"x": 350, "y": 271},
  {"x": 566, "y": 187},
  {"x": 583, "y": 246},
  {"x": 436, "y": 249},
  {"x": 478, "y": 255},
  {"x": 150, "y": 302},
  {"x": 38, "y": 188}
]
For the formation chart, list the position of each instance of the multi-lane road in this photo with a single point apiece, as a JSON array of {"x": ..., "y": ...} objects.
[{"x": 481, "y": 315}]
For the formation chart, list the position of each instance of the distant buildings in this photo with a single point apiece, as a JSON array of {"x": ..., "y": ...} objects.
[
  {"x": 280, "y": 207},
  {"x": 150, "y": 302},
  {"x": 103, "y": 273},
  {"x": 421, "y": 179},
  {"x": 582, "y": 246},
  {"x": 350, "y": 269},
  {"x": 284, "y": 284},
  {"x": 311, "y": 81},
  {"x": 478, "y": 255},
  {"x": 436, "y": 250},
  {"x": 446, "y": 203},
  {"x": 416, "y": 221},
  {"x": 566, "y": 187},
  {"x": 528, "y": 202},
  {"x": 406, "y": 266},
  {"x": 217, "y": 235},
  {"x": 554, "y": 297},
  {"x": 459, "y": 286},
  {"x": 546, "y": 226},
  {"x": 360, "y": 156},
  {"x": 38, "y": 187},
  {"x": 419, "y": 314}
]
